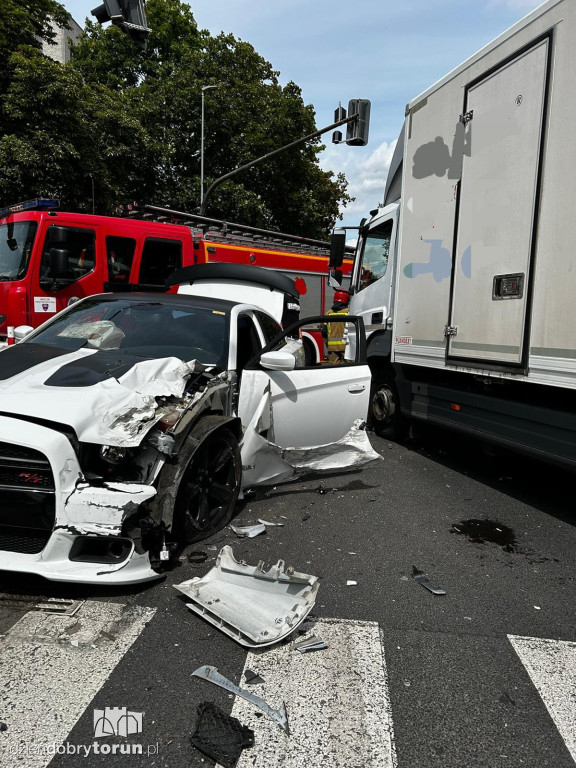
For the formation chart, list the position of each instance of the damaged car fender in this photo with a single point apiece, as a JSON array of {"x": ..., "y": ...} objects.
[{"x": 198, "y": 489}]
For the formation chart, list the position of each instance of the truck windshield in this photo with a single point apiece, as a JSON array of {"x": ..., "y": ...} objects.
[
  {"x": 16, "y": 241},
  {"x": 375, "y": 250}
]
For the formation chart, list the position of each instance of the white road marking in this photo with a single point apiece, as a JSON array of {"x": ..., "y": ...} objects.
[
  {"x": 337, "y": 701},
  {"x": 52, "y": 667},
  {"x": 551, "y": 665}
]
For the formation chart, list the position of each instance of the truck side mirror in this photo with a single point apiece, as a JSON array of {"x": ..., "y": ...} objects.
[
  {"x": 337, "y": 248},
  {"x": 58, "y": 263}
]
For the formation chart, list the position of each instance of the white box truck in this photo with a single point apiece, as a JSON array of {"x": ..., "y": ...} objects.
[{"x": 466, "y": 278}]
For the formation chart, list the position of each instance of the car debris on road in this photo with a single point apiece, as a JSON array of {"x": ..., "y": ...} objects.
[
  {"x": 211, "y": 674},
  {"x": 220, "y": 736},
  {"x": 423, "y": 579},
  {"x": 253, "y": 606},
  {"x": 311, "y": 644},
  {"x": 248, "y": 531}
]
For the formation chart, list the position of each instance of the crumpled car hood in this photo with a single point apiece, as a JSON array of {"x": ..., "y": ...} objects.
[{"x": 107, "y": 398}]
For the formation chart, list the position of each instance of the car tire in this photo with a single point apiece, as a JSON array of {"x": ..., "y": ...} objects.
[
  {"x": 209, "y": 486},
  {"x": 385, "y": 416}
]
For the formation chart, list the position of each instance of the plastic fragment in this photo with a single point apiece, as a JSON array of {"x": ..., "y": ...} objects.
[
  {"x": 311, "y": 644},
  {"x": 272, "y": 525},
  {"x": 351, "y": 583},
  {"x": 252, "y": 678},
  {"x": 197, "y": 557},
  {"x": 211, "y": 674},
  {"x": 254, "y": 606},
  {"x": 248, "y": 531},
  {"x": 423, "y": 579},
  {"x": 220, "y": 736}
]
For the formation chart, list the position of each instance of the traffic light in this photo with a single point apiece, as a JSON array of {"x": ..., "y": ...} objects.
[
  {"x": 129, "y": 15},
  {"x": 357, "y": 130}
]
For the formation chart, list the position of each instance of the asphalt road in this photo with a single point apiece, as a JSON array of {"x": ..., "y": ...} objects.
[{"x": 496, "y": 533}]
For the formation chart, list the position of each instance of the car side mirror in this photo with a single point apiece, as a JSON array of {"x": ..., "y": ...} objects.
[
  {"x": 278, "y": 361},
  {"x": 21, "y": 331}
]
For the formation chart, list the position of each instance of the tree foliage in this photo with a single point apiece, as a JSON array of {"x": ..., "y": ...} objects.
[{"x": 124, "y": 124}]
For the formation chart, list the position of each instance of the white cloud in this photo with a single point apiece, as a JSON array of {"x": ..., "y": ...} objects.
[{"x": 366, "y": 174}]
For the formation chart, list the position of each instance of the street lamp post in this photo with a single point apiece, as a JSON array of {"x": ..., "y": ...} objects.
[{"x": 204, "y": 88}]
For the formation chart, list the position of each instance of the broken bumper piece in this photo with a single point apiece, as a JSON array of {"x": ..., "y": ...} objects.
[
  {"x": 55, "y": 525},
  {"x": 252, "y": 606}
]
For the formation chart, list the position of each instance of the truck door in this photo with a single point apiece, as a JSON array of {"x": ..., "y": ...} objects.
[
  {"x": 504, "y": 118},
  {"x": 68, "y": 270}
]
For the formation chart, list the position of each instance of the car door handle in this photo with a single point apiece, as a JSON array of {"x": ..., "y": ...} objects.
[{"x": 356, "y": 388}]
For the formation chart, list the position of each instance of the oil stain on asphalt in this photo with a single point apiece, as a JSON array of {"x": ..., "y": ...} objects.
[{"x": 487, "y": 531}]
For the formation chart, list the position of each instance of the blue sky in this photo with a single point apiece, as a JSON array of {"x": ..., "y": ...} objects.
[{"x": 384, "y": 51}]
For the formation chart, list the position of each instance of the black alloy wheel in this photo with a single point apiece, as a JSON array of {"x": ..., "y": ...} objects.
[{"x": 209, "y": 488}]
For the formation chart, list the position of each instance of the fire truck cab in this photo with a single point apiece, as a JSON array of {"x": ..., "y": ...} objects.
[{"x": 49, "y": 258}]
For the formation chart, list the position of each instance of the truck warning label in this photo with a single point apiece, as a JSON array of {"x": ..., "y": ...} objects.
[{"x": 403, "y": 340}]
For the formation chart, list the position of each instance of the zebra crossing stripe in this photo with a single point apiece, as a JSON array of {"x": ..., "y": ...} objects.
[
  {"x": 337, "y": 701},
  {"x": 551, "y": 665},
  {"x": 52, "y": 667}
]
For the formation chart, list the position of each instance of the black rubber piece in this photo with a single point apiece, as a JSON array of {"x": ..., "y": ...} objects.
[{"x": 219, "y": 736}]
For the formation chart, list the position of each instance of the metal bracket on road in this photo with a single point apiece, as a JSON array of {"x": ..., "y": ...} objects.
[
  {"x": 212, "y": 675},
  {"x": 423, "y": 579}
]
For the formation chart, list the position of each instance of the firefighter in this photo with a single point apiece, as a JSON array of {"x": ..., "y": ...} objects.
[{"x": 335, "y": 331}]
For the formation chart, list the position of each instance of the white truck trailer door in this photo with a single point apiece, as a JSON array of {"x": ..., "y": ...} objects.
[{"x": 497, "y": 210}]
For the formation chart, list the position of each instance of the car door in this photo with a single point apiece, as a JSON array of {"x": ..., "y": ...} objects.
[{"x": 303, "y": 420}]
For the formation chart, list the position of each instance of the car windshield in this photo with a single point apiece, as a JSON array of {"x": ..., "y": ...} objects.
[
  {"x": 16, "y": 241},
  {"x": 151, "y": 329}
]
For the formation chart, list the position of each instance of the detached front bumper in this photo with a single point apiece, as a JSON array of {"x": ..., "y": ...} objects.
[{"x": 54, "y": 524}]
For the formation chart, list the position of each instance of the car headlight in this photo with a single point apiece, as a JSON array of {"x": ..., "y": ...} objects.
[{"x": 113, "y": 454}]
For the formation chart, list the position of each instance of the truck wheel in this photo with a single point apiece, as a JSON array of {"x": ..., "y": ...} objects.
[
  {"x": 385, "y": 416},
  {"x": 209, "y": 487}
]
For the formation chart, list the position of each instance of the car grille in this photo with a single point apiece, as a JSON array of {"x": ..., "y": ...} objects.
[
  {"x": 27, "y": 499},
  {"x": 23, "y": 540}
]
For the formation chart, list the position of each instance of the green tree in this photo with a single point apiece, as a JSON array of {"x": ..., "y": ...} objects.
[
  {"x": 27, "y": 23},
  {"x": 65, "y": 139}
]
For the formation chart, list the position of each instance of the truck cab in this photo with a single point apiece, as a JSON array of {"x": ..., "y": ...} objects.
[{"x": 373, "y": 274}]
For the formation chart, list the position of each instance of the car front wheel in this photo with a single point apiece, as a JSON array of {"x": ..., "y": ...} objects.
[{"x": 209, "y": 487}]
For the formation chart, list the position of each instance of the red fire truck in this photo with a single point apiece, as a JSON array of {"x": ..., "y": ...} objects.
[{"x": 50, "y": 258}]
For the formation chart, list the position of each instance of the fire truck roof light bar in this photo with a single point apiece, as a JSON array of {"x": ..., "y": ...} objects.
[{"x": 39, "y": 204}]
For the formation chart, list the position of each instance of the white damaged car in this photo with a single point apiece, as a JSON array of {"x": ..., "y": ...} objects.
[{"x": 129, "y": 422}]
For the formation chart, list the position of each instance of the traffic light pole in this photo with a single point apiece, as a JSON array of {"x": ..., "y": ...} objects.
[{"x": 314, "y": 135}]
